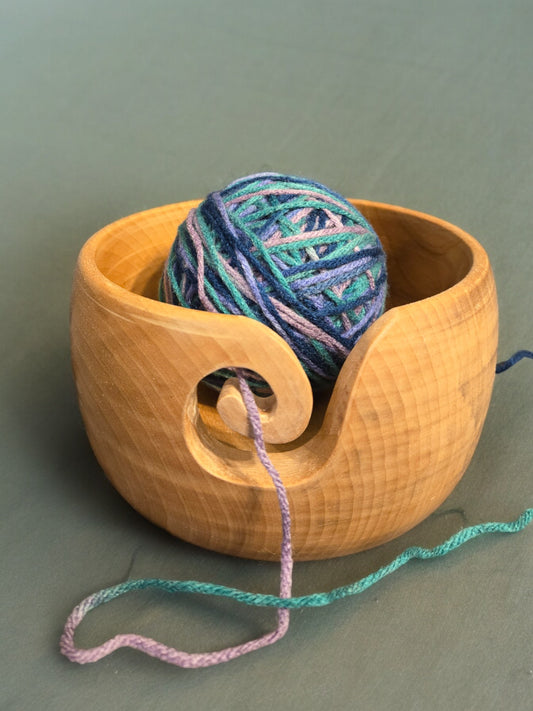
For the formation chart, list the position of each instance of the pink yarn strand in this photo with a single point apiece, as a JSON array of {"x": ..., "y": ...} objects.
[{"x": 182, "y": 658}]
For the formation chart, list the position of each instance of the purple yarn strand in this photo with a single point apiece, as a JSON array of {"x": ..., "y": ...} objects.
[
  {"x": 257, "y": 429},
  {"x": 175, "y": 656}
]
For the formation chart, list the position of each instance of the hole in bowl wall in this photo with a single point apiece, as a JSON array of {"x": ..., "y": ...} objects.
[{"x": 216, "y": 428}]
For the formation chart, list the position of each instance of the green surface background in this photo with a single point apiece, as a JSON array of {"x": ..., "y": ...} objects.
[{"x": 111, "y": 107}]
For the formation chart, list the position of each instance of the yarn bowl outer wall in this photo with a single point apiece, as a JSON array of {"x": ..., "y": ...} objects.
[{"x": 361, "y": 466}]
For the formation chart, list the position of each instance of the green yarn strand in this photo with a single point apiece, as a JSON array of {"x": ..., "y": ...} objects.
[{"x": 321, "y": 599}]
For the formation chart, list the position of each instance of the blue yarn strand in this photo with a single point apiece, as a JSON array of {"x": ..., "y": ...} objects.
[{"x": 506, "y": 364}]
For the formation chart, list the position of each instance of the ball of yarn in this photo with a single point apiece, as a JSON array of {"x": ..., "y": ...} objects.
[{"x": 288, "y": 252}]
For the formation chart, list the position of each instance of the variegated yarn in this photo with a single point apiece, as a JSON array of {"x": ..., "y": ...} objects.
[{"x": 288, "y": 252}]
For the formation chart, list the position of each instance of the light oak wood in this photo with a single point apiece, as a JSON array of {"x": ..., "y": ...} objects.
[{"x": 361, "y": 466}]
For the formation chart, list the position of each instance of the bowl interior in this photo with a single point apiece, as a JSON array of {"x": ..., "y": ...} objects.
[{"x": 425, "y": 256}]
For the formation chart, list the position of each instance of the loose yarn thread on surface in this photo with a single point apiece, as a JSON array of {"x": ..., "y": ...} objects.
[
  {"x": 288, "y": 252},
  {"x": 347, "y": 309}
]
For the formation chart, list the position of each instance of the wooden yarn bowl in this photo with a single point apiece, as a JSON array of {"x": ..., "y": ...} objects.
[{"x": 361, "y": 466}]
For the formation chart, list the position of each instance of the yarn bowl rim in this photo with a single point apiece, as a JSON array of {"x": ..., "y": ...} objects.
[{"x": 88, "y": 257}]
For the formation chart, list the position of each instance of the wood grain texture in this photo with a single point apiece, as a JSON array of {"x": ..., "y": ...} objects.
[{"x": 361, "y": 466}]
